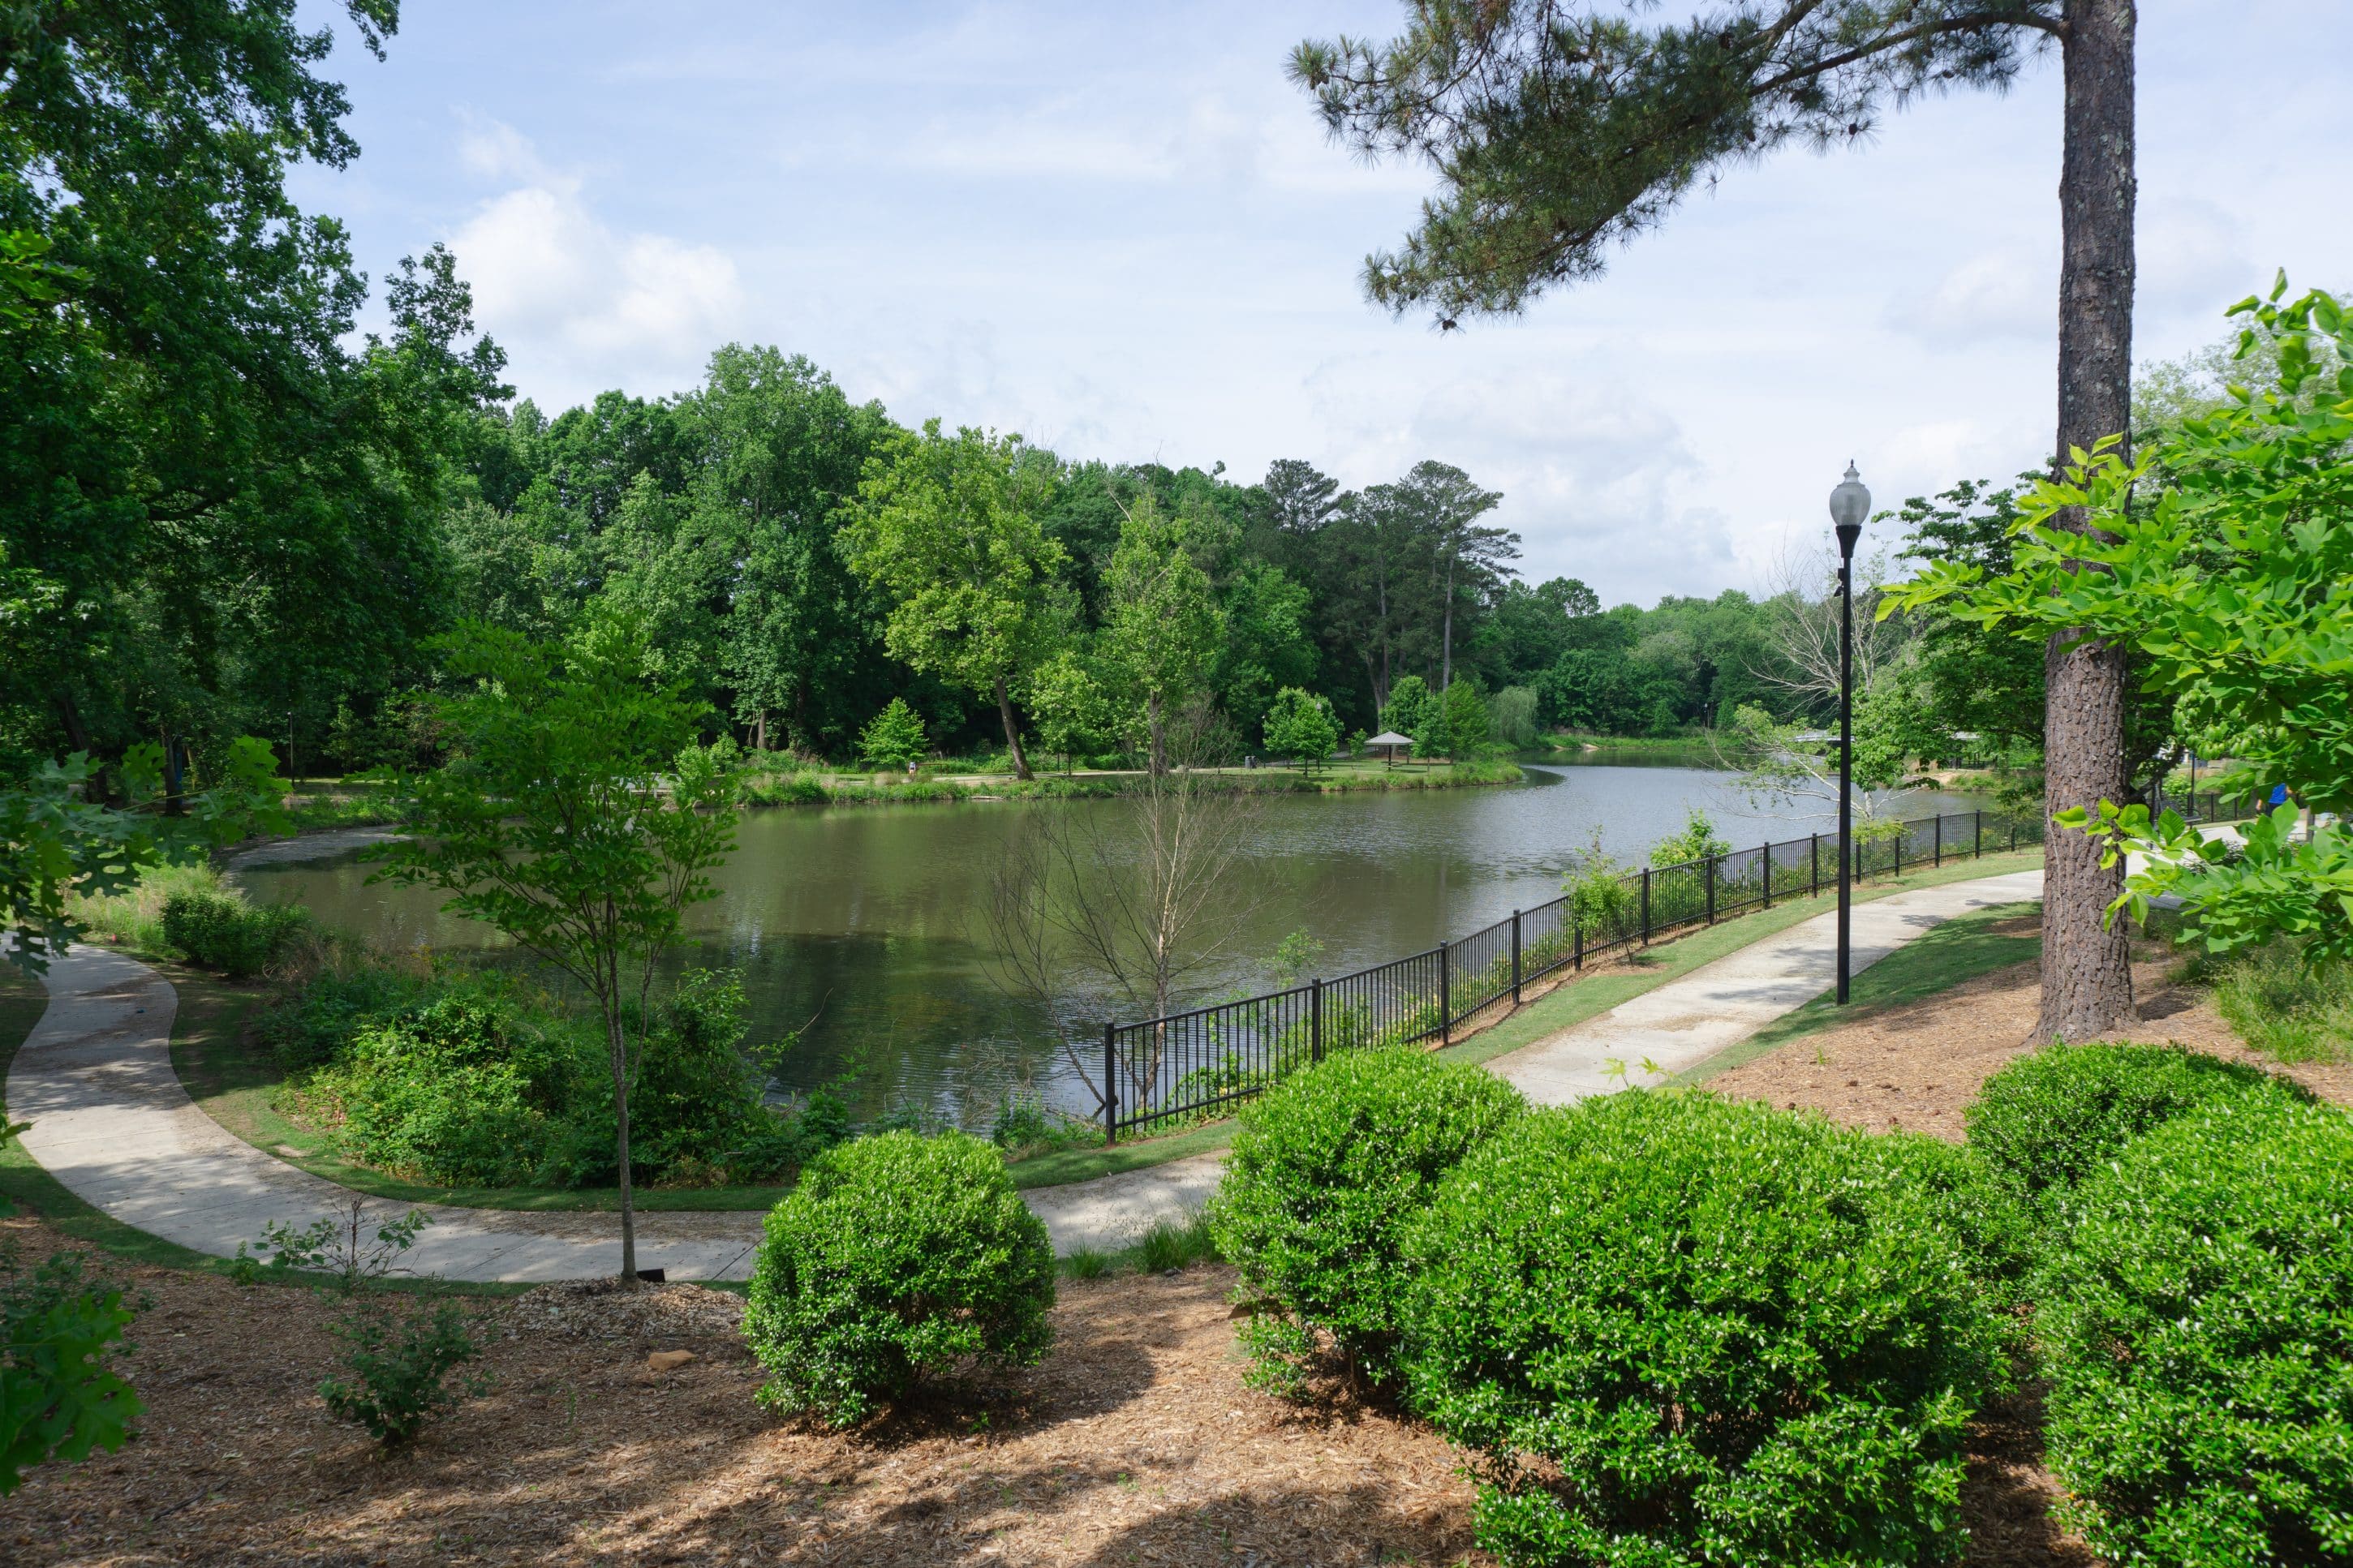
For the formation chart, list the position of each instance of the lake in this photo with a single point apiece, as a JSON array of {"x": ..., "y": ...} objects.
[{"x": 862, "y": 922}]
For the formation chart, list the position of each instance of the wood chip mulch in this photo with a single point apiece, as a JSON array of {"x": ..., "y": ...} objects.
[
  {"x": 1918, "y": 1067},
  {"x": 1134, "y": 1443}
]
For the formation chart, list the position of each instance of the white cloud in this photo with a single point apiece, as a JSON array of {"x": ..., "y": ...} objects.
[
  {"x": 578, "y": 304},
  {"x": 2005, "y": 293}
]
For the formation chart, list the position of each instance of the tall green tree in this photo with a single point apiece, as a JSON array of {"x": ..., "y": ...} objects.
[
  {"x": 233, "y": 507},
  {"x": 1559, "y": 130},
  {"x": 2232, "y": 583},
  {"x": 950, "y": 527},
  {"x": 579, "y": 816},
  {"x": 778, "y": 447},
  {"x": 1165, "y": 624},
  {"x": 1298, "y": 725}
]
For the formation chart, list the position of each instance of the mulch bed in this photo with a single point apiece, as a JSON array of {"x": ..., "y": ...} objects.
[
  {"x": 1918, "y": 1067},
  {"x": 1134, "y": 1443}
]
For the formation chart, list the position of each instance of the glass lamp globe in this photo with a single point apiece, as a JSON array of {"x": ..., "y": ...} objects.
[{"x": 1850, "y": 504}]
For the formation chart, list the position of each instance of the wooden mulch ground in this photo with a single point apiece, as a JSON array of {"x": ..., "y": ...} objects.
[
  {"x": 1134, "y": 1443},
  {"x": 1918, "y": 1067}
]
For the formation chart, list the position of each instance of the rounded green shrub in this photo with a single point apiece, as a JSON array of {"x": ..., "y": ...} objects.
[
  {"x": 1678, "y": 1329},
  {"x": 2198, "y": 1332},
  {"x": 1985, "y": 1218},
  {"x": 895, "y": 1258},
  {"x": 1325, "y": 1172},
  {"x": 2047, "y": 1120}
]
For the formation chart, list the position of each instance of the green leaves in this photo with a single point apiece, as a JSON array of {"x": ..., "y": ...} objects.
[
  {"x": 1678, "y": 1329},
  {"x": 60, "y": 1400},
  {"x": 895, "y": 738},
  {"x": 896, "y": 1258},
  {"x": 2223, "y": 558},
  {"x": 1300, "y": 726},
  {"x": 949, "y": 526},
  {"x": 1561, "y": 131},
  {"x": 2198, "y": 1332},
  {"x": 579, "y": 814},
  {"x": 53, "y": 837},
  {"x": 1327, "y": 1171}
]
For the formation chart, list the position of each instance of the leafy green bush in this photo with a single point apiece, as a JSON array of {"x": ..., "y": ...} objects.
[
  {"x": 1679, "y": 1330},
  {"x": 398, "y": 1366},
  {"x": 465, "y": 1089},
  {"x": 1326, "y": 1172},
  {"x": 59, "y": 1396},
  {"x": 471, "y": 1078},
  {"x": 1983, "y": 1215},
  {"x": 221, "y": 931},
  {"x": 2199, "y": 1335},
  {"x": 306, "y": 1028},
  {"x": 896, "y": 1256},
  {"x": 2047, "y": 1120}
]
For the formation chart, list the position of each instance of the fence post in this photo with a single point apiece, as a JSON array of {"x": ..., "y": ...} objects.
[
  {"x": 1646, "y": 906},
  {"x": 1111, "y": 1083},
  {"x": 1899, "y": 851},
  {"x": 1576, "y": 938},
  {"x": 1315, "y": 1020},
  {"x": 1707, "y": 863},
  {"x": 1516, "y": 958},
  {"x": 1814, "y": 861},
  {"x": 1767, "y": 856},
  {"x": 1940, "y": 839},
  {"x": 1977, "y": 835},
  {"x": 1445, "y": 995}
]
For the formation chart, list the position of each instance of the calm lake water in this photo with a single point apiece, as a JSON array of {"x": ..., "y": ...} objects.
[{"x": 863, "y": 922}]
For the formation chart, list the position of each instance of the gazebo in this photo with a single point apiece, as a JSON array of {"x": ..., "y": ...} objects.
[{"x": 1389, "y": 741}]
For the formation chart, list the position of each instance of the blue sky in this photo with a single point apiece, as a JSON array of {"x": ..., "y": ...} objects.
[{"x": 1118, "y": 230}]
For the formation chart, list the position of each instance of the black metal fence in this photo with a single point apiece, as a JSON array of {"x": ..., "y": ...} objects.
[{"x": 1168, "y": 1071}]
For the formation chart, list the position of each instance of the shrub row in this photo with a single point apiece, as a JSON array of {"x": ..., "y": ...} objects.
[
  {"x": 2194, "y": 1299},
  {"x": 1676, "y": 1330}
]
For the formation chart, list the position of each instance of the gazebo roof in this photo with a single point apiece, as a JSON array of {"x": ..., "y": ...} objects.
[{"x": 1390, "y": 738}]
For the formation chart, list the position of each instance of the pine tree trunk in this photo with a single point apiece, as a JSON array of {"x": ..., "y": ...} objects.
[
  {"x": 2087, "y": 967},
  {"x": 619, "y": 1050},
  {"x": 1012, "y": 731}
]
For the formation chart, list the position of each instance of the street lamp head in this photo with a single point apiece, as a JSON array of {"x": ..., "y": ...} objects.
[{"x": 1850, "y": 504}]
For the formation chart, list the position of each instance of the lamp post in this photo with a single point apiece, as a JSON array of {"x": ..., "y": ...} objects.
[{"x": 1850, "y": 504}]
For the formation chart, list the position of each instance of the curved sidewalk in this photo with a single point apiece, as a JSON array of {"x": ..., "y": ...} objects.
[{"x": 113, "y": 1122}]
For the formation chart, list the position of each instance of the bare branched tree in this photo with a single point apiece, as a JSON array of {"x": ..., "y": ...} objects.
[
  {"x": 1801, "y": 585},
  {"x": 1135, "y": 902}
]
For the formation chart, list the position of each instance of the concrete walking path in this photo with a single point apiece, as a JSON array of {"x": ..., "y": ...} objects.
[
  {"x": 1685, "y": 1021},
  {"x": 111, "y": 1120}
]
